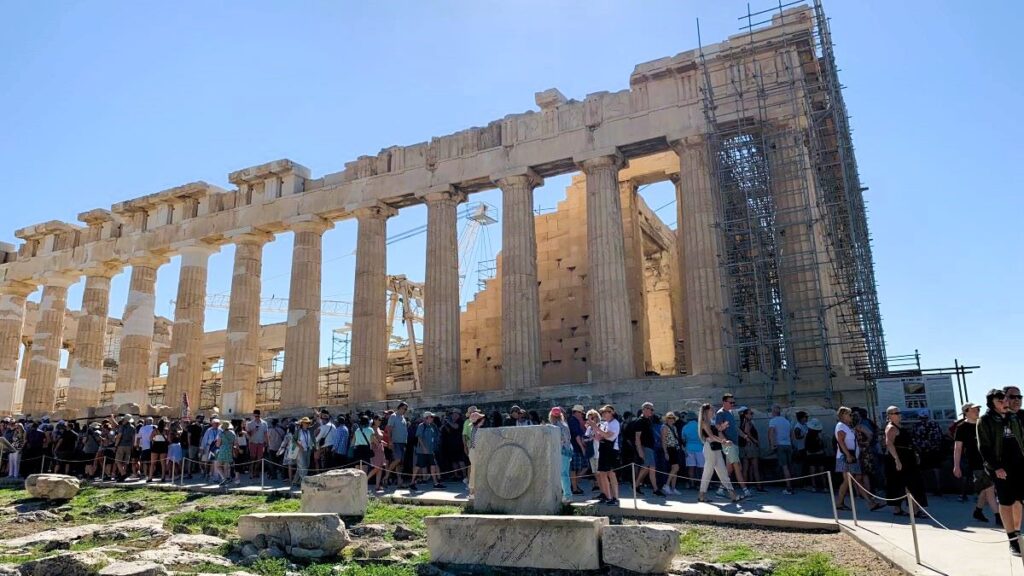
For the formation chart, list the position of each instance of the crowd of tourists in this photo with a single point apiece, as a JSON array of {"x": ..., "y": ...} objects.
[{"x": 668, "y": 452}]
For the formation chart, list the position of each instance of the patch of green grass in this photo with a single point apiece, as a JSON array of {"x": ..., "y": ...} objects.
[
  {"x": 84, "y": 504},
  {"x": 693, "y": 542},
  {"x": 411, "y": 517},
  {"x": 318, "y": 570},
  {"x": 377, "y": 570},
  {"x": 269, "y": 567},
  {"x": 209, "y": 568},
  {"x": 741, "y": 553},
  {"x": 224, "y": 516},
  {"x": 816, "y": 564},
  {"x": 21, "y": 558},
  {"x": 10, "y": 495}
]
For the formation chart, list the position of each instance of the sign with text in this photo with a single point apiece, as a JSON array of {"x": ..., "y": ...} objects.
[{"x": 914, "y": 393}]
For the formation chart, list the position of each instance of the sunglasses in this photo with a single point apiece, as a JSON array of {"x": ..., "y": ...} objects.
[{"x": 1014, "y": 396}]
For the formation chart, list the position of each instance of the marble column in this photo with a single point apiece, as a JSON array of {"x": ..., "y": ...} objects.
[
  {"x": 611, "y": 330},
  {"x": 44, "y": 365},
  {"x": 133, "y": 373},
  {"x": 300, "y": 379},
  {"x": 12, "y": 321},
  {"x": 520, "y": 298},
  {"x": 441, "y": 318},
  {"x": 241, "y": 356},
  {"x": 87, "y": 362},
  {"x": 185, "y": 364},
  {"x": 370, "y": 331},
  {"x": 699, "y": 247}
]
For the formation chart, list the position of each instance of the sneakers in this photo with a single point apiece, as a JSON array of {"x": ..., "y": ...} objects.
[
  {"x": 438, "y": 485},
  {"x": 1015, "y": 547},
  {"x": 979, "y": 515},
  {"x": 638, "y": 491},
  {"x": 659, "y": 492},
  {"x": 788, "y": 492},
  {"x": 746, "y": 493},
  {"x": 720, "y": 492},
  {"x": 615, "y": 502},
  {"x": 668, "y": 490}
]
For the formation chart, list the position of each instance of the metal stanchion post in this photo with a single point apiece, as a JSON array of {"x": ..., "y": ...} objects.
[
  {"x": 42, "y": 465},
  {"x": 832, "y": 495},
  {"x": 103, "y": 468},
  {"x": 262, "y": 476},
  {"x": 852, "y": 493},
  {"x": 913, "y": 526},
  {"x": 632, "y": 468}
]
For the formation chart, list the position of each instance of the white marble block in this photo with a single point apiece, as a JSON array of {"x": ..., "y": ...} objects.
[
  {"x": 647, "y": 549},
  {"x": 544, "y": 542},
  {"x": 518, "y": 470},
  {"x": 322, "y": 533},
  {"x": 336, "y": 491}
]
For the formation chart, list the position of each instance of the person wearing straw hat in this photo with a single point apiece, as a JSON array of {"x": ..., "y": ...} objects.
[
  {"x": 477, "y": 420},
  {"x": 815, "y": 456},
  {"x": 577, "y": 432},
  {"x": 305, "y": 445}
]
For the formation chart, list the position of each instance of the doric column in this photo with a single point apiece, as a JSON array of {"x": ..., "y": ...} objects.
[
  {"x": 87, "y": 362},
  {"x": 611, "y": 331},
  {"x": 369, "y": 318},
  {"x": 12, "y": 321},
  {"x": 41, "y": 384},
  {"x": 520, "y": 298},
  {"x": 185, "y": 365},
  {"x": 300, "y": 380},
  {"x": 699, "y": 247},
  {"x": 441, "y": 351},
  {"x": 241, "y": 356},
  {"x": 133, "y": 372}
]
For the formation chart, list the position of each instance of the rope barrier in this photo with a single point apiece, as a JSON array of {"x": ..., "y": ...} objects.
[
  {"x": 875, "y": 496},
  {"x": 948, "y": 529}
]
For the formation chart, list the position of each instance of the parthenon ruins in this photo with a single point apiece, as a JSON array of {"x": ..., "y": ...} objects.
[{"x": 765, "y": 286}]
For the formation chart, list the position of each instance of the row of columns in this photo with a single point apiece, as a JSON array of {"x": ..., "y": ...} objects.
[{"x": 610, "y": 321}]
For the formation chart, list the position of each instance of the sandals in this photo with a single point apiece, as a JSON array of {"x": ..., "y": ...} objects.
[{"x": 842, "y": 507}]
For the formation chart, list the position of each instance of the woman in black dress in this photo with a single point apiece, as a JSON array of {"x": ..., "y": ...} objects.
[{"x": 902, "y": 473}]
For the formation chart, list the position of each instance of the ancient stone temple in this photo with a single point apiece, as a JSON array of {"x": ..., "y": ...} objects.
[{"x": 765, "y": 286}]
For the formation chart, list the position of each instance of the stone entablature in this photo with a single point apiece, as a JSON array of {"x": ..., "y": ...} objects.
[{"x": 662, "y": 105}]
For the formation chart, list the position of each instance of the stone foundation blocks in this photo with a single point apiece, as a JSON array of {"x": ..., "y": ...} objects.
[
  {"x": 646, "y": 549},
  {"x": 340, "y": 492},
  {"x": 544, "y": 542},
  {"x": 52, "y": 486},
  {"x": 305, "y": 535},
  {"x": 518, "y": 470}
]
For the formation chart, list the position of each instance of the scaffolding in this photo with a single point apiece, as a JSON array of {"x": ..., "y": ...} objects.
[{"x": 796, "y": 257}]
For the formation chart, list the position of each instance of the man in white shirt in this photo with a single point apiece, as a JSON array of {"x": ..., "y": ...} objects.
[
  {"x": 326, "y": 435},
  {"x": 144, "y": 440},
  {"x": 780, "y": 433},
  {"x": 257, "y": 429}
]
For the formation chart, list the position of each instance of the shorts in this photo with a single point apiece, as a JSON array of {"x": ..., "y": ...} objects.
[
  {"x": 982, "y": 481},
  {"x": 650, "y": 460},
  {"x": 398, "y": 451},
  {"x": 144, "y": 456},
  {"x": 750, "y": 451},
  {"x": 695, "y": 459},
  {"x": 843, "y": 466},
  {"x": 362, "y": 454},
  {"x": 731, "y": 453},
  {"x": 785, "y": 455},
  {"x": 123, "y": 454},
  {"x": 1009, "y": 491},
  {"x": 425, "y": 460},
  {"x": 578, "y": 462},
  {"x": 607, "y": 458}
]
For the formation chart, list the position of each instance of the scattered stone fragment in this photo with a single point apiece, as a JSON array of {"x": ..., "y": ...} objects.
[
  {"x": 36, "y": 516},
  {"x": 646, "y": 549},
  {"x": 373, "y": 549},
  {"x": 65, "y": 564},
  {"x": 52, "y": 486},
  {"x": 368, "y": 531},
  {"x": 134, "y": 568},
  {"x": 710, "y": 569},
  {"x": 757, "y": 567},
  {"x": 324, "y": 532},
  {"x": 56, "y": 545},
  {"x": 194, "y": 542},
  {"x": 175, "y": 556},
  {"x": 403, "y": 533},
  {"x": 124, "y": 507}
]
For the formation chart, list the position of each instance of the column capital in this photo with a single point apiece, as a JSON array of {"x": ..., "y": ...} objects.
[
  {"x": 374, "y": 211},
  {"x": 604, "y": 158},
  {"x": 104, "y": 270},
  {"x": 16, "y": 288},
  {"x": 249, "y": 235},
  {"x": 520, "y": 175},
  {"x": 195, "y": 247},
  {"x": 309, "y": 223},
  {"x": 58, "y": 279},
  {"x": 441, "y": 194},
  {"x": 686, "y": 142},
  {"x": 148, "y": 259}
]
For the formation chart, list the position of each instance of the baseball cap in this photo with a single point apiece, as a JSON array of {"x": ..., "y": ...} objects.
[
  {"x": 968, "y": 406},
  {"x": 579, "y": 408},
  {"x": 556, "y": 411},
  {"x": 428, "y": 414}
]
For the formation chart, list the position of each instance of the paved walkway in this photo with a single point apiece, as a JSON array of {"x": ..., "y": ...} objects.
[{"x": 968, "y": 548}]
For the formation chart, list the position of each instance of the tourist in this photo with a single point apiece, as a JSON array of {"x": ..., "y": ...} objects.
[
  {"x": 289, "y": 451},
  {"x": 362, "y": 449},
  {"x": 815, "y": 454},
  {"x": 780, "y": 442},
  {"x": 427, "y": 438},
  {"x": 642, "y": 434},
  {"x": 17, "y": 442},
  {"x": 241, "y": 446},
  {"x": 476, "y": 420},
  {"x": 124, "y": 441},
  {"x": 342, "y": 438},
  {"x": 730, "y": 451},
  {"x": 175, "y": 452},
  {"x": 452, "y": 450},
  {"x": 304, "y": 445},
  {"x": 607, "y": 435},
  {"x": 378, "y": 463},
  {"x": 1001, "y": 443},
  {"x": 967, "y": 464},
  {"x": 158, "y": 446},
  {"x": 750, "y": 448},
  {"x": 258, "y": 432},
  {"x": 326, "y": 434},
  {"x": 64, "y": 448},
  {"x": 864, "y": 434},
  {"x": 799, "y": 467},
  {"x": 711, "y": 434},
  {"x": 694, "y": 450},
  {"x": 592, "y": 424},
  {"x": 398, "y": 428},
  {"x": 928, "y": 443},
  {"x": 847, "y": 461},
  {"x": 518, "y": 417},
  {"x": 902, "y": 474},
  {"x": 195, "y": 433},
  {"x": 225, "y": 446},
  {"x": 577, "y": 433},
  {"x": 144, "y": 445},
  {"x": 557, "y": 419},
  {"x": 90, "y": 439},
  {"x": 671, "y": 445}
]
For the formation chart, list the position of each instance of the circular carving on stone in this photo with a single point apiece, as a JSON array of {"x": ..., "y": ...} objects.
[{"x": 509, "y": 471}]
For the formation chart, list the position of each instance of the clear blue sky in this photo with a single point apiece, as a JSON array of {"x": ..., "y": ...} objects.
[{"x": 105, "y": 102}]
